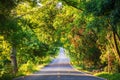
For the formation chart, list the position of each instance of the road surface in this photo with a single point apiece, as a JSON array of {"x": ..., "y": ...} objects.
[{"x": 59, "y": 69}]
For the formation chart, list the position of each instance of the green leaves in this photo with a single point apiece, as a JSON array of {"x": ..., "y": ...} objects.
[
  {"x": 7, "y": 4},
  {"x": 99, "y": 7},
  {"x": 81, "y": 26}
]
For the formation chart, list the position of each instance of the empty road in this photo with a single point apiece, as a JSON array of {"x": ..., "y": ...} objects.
[{"x": 59, "y": 69}]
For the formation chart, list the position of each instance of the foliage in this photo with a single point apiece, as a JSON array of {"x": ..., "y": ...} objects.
[
  {"x": 109, "y": 76},
  {"x": 88, "y": 29},
  {"x": 96, "y": 34},
  {"x": 23, "y": 31},
  {"x": 27, "y": 68},
  {"x": 7, "y": 76}
]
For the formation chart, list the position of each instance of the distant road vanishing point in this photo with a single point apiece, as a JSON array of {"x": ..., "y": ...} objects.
[{"x": 59, "y": 69}]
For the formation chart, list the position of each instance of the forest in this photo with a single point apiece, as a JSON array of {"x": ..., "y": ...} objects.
[{"x": 31, "y": 32}]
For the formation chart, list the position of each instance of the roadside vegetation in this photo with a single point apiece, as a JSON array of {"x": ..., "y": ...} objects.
[
  {"x": 31, "y": 32},
  {"x": 109, "y": 76}
]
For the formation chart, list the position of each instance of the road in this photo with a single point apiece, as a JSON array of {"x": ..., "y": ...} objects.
[{"x": 59, "y": 69}]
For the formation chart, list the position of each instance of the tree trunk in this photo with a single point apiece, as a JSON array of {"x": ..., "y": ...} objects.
[
  {"x": 115, "y": 36},
  {"x": 109, "y": 63},
  {"x": 13, "y": 59},
  {"x": 115, "y": 42},
  {"x": 118, "y": 36}
]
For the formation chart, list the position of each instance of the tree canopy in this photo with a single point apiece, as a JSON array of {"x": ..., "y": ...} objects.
[{"x": 32, "y": 30}]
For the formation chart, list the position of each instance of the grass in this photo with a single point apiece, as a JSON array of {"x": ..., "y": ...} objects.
[
  {"x": 24, "y": 69},
  {"x": 108, "y": 76},
  {"x": 80, "y": 68},
  {"x": 29, "y": 69}
]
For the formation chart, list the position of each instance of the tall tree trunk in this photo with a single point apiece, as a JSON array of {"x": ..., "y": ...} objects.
[
  {"x": 13, "y": 59},
  {"x": 115, "y": 42},
  {"x": 115, "y": 36}
]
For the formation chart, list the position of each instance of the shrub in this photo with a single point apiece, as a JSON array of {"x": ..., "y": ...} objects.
[
  {"x": 7, "y": 76},
  {"x": 6, "y": 73},
  {"x": 27, "y": 68}
]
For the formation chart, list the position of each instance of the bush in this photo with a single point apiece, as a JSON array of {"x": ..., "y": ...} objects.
[
  {"x": 109, "y": 76},
  {"x": 7, "y": 76},
  {"x": 114, "y": 69},
  {"x": 6, "y": 73},
  {"x": 27, "y": 68}
]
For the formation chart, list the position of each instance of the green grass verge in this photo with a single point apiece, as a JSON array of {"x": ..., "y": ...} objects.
[
  {"x": 24, "y": 69},
  {"x": 80, "y": 68},
  {"x": 108, "y": 76},
  {"x": 30, "y": 68}
]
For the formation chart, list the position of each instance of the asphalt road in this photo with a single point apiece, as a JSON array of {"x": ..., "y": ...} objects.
[{"x": 59, "y": 69}]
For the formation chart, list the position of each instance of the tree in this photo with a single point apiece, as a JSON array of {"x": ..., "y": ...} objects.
[{"x": 101, "y": 17}]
